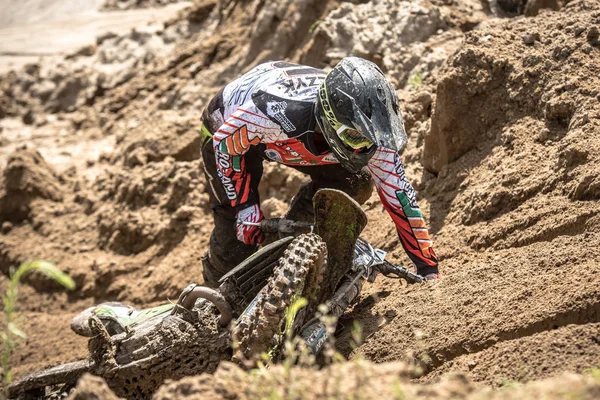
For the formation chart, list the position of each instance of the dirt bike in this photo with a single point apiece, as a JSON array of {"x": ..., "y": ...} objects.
[{"x": 135, "y": 351}]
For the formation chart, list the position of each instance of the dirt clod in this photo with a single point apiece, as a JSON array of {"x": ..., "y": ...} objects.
[
  {"x": 90, "y": 387},
  {"x": 593, "y": 36},
  {"x": 27, "y": 176}
]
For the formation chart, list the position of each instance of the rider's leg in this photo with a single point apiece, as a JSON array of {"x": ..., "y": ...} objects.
[
  {"x": 358, "y": 186},
  {"x": 225, "y": 250}
]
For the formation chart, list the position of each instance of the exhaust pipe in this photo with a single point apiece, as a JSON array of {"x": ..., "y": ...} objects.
[{"x": 193, "y": 292}]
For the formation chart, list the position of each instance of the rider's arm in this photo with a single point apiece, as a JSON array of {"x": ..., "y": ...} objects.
[
  {"x": 399, "y": 199},
  {"x": 231, "y": 141}
]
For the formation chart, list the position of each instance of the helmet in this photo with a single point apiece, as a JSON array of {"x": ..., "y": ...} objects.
[{"x": 357, "y": 110}]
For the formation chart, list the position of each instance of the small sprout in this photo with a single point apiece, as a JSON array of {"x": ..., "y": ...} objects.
[
  {"x": 416, "y": 79},
  {"x": 398, "y": 392},
  {"x": 594, "y": 373},
  {"x": 16, "y": 331},
  {"x": 290, "y": 316},
  {"x": 314, "y": 25},
  {"x": 52, "y": 272},
  {"x": 12, "y": 332},
  {"x": 507, "y": 383},
  {"x": 357, "y": 335}
]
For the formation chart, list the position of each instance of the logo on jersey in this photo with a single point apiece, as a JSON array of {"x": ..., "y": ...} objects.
[
  {"x": 223, "y": 166},
  {"x": 398, "y": 167},
  {"x": 292, "y": 85},
  {"x": 238, "y": 142},
  {"x": 273, "y": 155},
  {"x": 330, "y": 158},
  {"x": 276, "y": 109}
]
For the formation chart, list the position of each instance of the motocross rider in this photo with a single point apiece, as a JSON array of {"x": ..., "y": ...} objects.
[{"x": 343, "y": 129}]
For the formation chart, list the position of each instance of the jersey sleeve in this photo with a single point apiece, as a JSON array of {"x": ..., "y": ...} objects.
[
  {"x": 231, "y": 141},
  {"x": 399, "y": 199}
]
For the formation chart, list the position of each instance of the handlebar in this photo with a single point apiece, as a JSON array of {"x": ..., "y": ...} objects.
[
  {"x": 289, "y": 227},
  {"x": 388, "y": 269}
]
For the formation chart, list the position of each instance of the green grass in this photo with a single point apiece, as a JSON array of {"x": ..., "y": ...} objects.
[
  {"x": 12, "y": 333},
  {"x": 507, "y": 382},
  {"x": 314, "y": 25},
  {"x": 398, "y": 392},
  {"x": 357, "y": 335},
  {"x": 416, "y": 79},
  {"x": 594, "y": 373}
]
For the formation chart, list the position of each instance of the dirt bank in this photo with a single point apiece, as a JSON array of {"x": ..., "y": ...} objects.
[
  {"x": 101, "y": 174},
  {"x": 22, "y": 23}
]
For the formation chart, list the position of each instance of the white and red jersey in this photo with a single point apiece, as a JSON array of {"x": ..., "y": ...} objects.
[{"x": 273, "y": 105}]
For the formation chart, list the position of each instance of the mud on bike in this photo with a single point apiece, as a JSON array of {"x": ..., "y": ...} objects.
[{"x": 136, "y": 350}]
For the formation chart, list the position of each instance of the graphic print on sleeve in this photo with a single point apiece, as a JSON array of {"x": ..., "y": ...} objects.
[
  {"x": 231, "y": 141},
  {"x": 272, "y": 104},
  {"x": 399, "y": 199}
]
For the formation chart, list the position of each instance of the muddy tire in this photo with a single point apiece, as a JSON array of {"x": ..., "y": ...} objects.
[
  {"x": 62, "y": 377},
  {"x": 299, "y": 273}
]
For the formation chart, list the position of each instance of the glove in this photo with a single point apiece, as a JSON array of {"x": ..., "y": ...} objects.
[
  {"x": 249, "y": 234},
  {"x": 431, "y": 277}
]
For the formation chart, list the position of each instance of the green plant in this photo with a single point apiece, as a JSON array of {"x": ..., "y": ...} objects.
[
  {"x": 314, "y": 25},
  {"x": 507, "y": 383},
  {"x": 522, "y": 372},
  {"x": 398, "y": 392},
  {"x": 416, "y": 79},
  {"x": 594, "y": 372},
  {"x": 357, "y": 335},
  {"x": 12, "y": 332},
  {"x": 294, "y": 354},
  {"x": 290, "y": 351},
  {"x": 298, "y": 304},
  {"x": 263, "y": 383}
]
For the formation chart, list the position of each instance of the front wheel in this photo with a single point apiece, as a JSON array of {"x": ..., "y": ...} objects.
[
  {"x": 299, "y": 273},
  {"x": 37, "y": 384}
]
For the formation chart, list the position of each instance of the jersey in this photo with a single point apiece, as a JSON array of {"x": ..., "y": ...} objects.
[{"x": 273, "y": 106}]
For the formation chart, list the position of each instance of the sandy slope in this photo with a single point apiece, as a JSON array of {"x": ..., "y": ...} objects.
[
  {"x": 29, "y": 11},
  {"x": 38, "y": 29},
  {"x": 513, "y": 204}
]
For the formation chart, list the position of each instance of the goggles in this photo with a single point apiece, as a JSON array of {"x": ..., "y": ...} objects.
[{"x": 353, "y": 138}]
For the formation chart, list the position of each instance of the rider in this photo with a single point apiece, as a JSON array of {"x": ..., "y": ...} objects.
[{"x": 343, "y": 129}]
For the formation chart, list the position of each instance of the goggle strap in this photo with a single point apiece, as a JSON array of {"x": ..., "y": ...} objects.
[{"x": 341, "y": 129}]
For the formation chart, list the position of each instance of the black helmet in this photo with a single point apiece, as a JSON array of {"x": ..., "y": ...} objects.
[{"x": 357, "y": 110}]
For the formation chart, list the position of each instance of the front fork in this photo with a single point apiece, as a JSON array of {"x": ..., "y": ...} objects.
[
  {"x": 367, "y": 262},
  {"x": 314, "y": 333}
]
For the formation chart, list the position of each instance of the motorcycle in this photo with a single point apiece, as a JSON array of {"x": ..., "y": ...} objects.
[{"x": 136, "y": 350}]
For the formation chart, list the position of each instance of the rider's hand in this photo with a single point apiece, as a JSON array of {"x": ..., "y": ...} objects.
[
  {"x": 247, "y": 233},
  {"x": 431, "y": 277}
]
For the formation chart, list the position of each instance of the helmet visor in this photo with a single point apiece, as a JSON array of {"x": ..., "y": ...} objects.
[{"x": 353, "y": 138}]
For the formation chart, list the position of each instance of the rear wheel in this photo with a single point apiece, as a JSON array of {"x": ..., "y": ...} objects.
[{"x": 299, "y": 273}]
